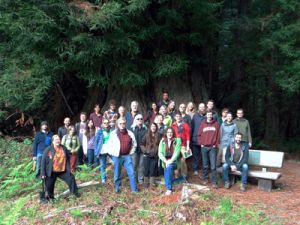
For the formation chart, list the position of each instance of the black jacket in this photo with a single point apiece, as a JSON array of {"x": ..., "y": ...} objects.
[{"x": 47, "y": 161}]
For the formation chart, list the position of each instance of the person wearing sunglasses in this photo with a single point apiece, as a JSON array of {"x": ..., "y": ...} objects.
[{"x": 102, "y": 137}]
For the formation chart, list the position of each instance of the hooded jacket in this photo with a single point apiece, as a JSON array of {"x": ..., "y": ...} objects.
[{"x": 209, "y": 133}]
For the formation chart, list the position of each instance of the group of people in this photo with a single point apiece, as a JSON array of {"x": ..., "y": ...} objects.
[{"x": 147, "y": 144}]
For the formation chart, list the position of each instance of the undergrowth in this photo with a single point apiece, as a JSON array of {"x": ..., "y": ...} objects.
[{"x": 19, "y": 199}]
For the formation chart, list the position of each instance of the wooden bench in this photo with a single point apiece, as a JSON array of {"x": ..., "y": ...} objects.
[{"x": 264, "y": 159}]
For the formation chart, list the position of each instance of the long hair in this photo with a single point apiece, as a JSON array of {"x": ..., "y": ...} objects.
[
  {"x": 90, "y": 132},
  {"x": 153, "y": 138}
]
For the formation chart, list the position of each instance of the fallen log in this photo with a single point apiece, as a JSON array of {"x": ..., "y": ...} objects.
[{"x": 82, "y": 185}]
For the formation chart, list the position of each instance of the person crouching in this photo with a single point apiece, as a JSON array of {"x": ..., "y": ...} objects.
[{"x": 169, "y": 151}]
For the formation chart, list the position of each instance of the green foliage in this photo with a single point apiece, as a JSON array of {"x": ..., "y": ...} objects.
[
  {"x": 116, "y": 42},
  {"x": 228, "y": 213},
  {"x": 12, "y": 211}
]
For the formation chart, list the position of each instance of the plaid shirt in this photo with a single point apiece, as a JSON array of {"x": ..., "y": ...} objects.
[{"x": 125, "y": 142}]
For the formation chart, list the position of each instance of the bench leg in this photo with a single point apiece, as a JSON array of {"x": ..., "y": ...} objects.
[{"x": 265, "y": 185}]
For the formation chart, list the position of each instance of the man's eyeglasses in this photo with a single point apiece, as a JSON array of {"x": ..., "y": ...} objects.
[{"x": 139, "y": 119}]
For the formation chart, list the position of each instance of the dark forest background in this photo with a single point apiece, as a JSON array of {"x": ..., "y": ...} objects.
[{"x": 243, "y": 53}]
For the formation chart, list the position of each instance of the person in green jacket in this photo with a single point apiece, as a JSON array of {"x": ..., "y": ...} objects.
[
  {"x": 167, "y": 118},
  {"x": 72, "y": 143},
  {"x": 243, "y": 127},
  {"x": 168, "y": 153}
]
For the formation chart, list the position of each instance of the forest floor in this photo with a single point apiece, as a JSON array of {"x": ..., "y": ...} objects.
[
  {"x": 282, "y": 205},
  {"x": 19, "y": 201}
]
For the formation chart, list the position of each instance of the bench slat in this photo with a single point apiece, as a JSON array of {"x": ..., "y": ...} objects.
[{"x": 263, "y": 158}]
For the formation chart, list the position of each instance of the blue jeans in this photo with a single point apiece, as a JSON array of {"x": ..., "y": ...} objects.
[
  {"x": 209, "y": 155},
  {"x": 244, "y": 170},
  {"x": 196, "y": 157},
  {"x": 90, "y": 156},
  {"x": 138, "y": 165},
  {"x": 103, "y": 159},
  {"x": 126, "y": 161},
  {"x": 38, "y": 164},
  {"x": 168, "y": 174}
]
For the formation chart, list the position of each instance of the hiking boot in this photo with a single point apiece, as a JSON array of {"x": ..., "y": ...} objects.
[
  {"x": 168, "y": 192},
  {"x": 146, "y": 182},
  {"x": 196, "y": 173},
  {"x": 152, "y": 182},
  {"x": 77, "y": 195},
  {"x": 243, "y": 187},
  {"x": 215, "y": 186},
  {"x": 227, "y": 185}
]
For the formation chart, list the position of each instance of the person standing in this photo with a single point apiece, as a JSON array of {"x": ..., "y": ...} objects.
[
  {"x": 159, "y": 120},
  {"x": 111, "y": 113},
  {"x": 121, "y": 145},
  {"x": 165, "y": 99},
  {"x": 224, "y": 114},
  {"x": 209, "y": 138},
  {"x": 62, "y": 131},
  {"x": 167, "y": 120},
  {"x": 88, "y": 143},
  {"x": 211, "y": 107},
  {"x": 243, "y": 126},
  {"x": 182, "y": 131},
  {"x": 139, "y": 130},
  {"x": 227, "y": 132},
  {"x": 171, "y": 109},
  {"x": 42, "y": 140},
  {"x": 151, "y": 114},
  {"x": 236, "y": 157},
  {"x": 196, "y": 147},
  {"x": 168, "y": 153},
  {"x": 185, "y": 117},
  {"x": 102, "y": 137},
  {"x": 129, "y": 116},
  {"x": 72, "y": 143},
  {"x": 190, "y": 109},
  {"x": 149, "y": 147},
  {"x": 56, "y": 164},
  {"x": 81, "y": 128},
  {"x": 96, "y": 116}
]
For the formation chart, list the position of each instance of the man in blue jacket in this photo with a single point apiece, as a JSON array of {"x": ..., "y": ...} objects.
[
  {"x": 42, "y": 140},
  {"x": 236, "y": 157}
]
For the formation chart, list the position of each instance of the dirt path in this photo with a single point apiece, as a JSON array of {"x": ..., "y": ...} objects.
[{"x": 282, "y": 205}]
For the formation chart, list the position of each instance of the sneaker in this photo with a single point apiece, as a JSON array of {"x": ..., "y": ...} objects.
[
  {"x": 215, "y": 186},
  {"x": 196, "y": 173},
  {"x": 243, "y": 187},
  {"x": 227, "y": 185},
  {"x": 205, "y": 182},
  {"x": 168, "y": 192}
]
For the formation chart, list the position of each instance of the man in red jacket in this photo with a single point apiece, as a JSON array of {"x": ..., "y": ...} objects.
[
  {"x": 209, "y": 139},
  {"x": 182, "y": 131}
]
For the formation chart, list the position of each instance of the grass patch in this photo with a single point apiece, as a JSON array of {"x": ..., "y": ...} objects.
[{"x": 19, "y": 201}]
